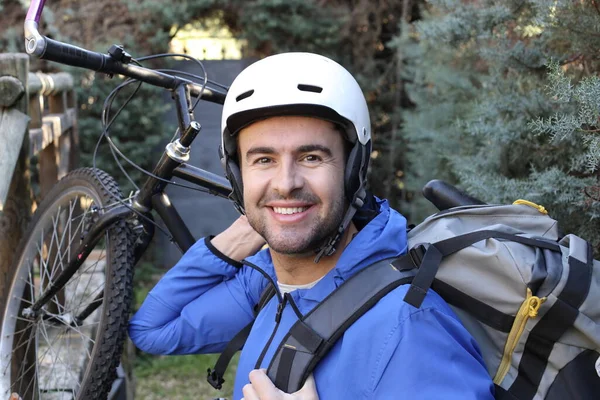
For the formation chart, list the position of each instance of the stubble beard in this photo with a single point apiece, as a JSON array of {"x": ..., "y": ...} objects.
[{"x": 290, "y": 242}]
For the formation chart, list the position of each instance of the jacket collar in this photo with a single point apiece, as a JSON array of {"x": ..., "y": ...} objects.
[{"x": 383, "y": 237}]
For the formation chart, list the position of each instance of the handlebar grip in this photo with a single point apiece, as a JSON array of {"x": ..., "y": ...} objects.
[
  {"x": 209, "y": 94},
  {"x": 73, "y": 55},
  {"x": 444, "y": 196}
]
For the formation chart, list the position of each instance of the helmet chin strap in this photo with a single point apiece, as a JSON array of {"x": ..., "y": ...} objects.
[{"x": 330, "y": 245}]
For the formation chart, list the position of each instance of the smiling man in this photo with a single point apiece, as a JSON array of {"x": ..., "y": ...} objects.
[{"x": 296, "y": 145}]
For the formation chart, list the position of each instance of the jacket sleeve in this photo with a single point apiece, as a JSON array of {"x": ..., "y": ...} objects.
[
  {"x": 198, "y": 305},
  {"x": 430, "y": 355}
]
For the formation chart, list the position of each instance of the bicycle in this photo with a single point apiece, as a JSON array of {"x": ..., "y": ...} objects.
[{"x": 66, "y": 314}]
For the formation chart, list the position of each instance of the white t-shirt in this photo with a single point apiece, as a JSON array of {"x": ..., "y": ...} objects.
[{"x": 285, "y": 288}]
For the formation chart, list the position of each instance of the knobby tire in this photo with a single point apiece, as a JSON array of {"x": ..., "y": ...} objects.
[{"x": 37, "y": 354}]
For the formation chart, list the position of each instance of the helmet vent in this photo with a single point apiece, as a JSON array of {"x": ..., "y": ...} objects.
[
  {"x": 244, "y": 95},
  {"x": 310, "y": 88}
]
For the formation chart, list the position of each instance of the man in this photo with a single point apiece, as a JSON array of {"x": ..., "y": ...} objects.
[{"x": 296, "y": 145}]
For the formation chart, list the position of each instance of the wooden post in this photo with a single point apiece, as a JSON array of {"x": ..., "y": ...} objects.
[
  {"x": 74, "y": 154},
  {"x": 53, "y": 128},
  {"x": 49, "y": 156},
  {"x": 16, "y": 209}
]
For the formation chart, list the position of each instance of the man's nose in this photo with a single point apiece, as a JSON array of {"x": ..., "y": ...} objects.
[{"x": 287, "y": 179}]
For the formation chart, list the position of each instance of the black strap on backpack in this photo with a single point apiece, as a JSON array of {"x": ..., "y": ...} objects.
[
  {"x": 215, "y": 375},
  {"x": 435, "y": 252},
  {"x": 312, "y": 336}
]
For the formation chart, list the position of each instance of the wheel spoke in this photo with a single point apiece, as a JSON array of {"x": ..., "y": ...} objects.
[
  {"x": 24, "y": 300},
  {"x": 28, "y": 341},
  {"x": 21, "y": 342},
  {"x": 55, "y": 221},
  {"x": 85, "y": 290},
  {"x": 79, "y": 273},
  {"x": 87, "y": 294},
  {"x": 50, "y": 355},
  {"x": 72, "y": 238},
  {"x": 45, "y": 337},
  {"x": 58, "y": 358},
  {"x": 74, "y": 328}
]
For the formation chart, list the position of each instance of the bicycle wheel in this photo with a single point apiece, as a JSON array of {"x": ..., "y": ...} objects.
[{"x": 63, "y": 353}]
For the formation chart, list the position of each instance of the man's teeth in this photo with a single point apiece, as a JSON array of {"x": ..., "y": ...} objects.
[{"x": 289, "y": 210}]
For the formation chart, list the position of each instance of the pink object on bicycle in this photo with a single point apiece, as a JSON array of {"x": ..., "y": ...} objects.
[{"x": 35, "y": 10}]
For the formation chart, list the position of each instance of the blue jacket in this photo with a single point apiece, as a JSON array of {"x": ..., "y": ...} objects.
[{"x": 394, "y": 351}]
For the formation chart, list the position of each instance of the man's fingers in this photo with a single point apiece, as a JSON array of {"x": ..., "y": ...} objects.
[
  {"x": 263, "y": 386},
  {"x": 249, "y": 392},
  {"x": 309, "y": 390}
]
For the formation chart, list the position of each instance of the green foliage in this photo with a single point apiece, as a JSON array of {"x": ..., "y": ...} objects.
[
  {"x": 291, "y": 25},
  {"x": 11, "y": 40},
  {"x": 580, "y": 119},
  {"x": 490, "y": 118},
  {"x": 357, "y": 35}
]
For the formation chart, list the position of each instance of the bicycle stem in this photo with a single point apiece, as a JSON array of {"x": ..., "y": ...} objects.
[
  {"x": 92, "y": 238},
  {"x": 176, "y": 153},
  {"x": 183, "y": 102}
]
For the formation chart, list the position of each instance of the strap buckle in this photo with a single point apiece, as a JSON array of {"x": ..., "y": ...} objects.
[{"x": 214, "y": 379}]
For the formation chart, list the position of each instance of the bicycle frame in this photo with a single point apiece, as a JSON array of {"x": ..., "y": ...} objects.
[{"x": 173, "y": 162}]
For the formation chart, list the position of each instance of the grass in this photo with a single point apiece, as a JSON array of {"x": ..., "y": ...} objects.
[{"x": 180, "y": 377}]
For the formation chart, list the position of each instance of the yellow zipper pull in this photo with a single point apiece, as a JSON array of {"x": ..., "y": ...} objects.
[
  {"x": 534, "y": 304},
  {"x": 529, "y": 309},
  {"x": 541, "y": 209}
]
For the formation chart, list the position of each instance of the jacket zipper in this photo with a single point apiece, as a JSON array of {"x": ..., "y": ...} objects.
[
  {"x": 529, "y": 309},
  {"x": 280, "y": 308}
]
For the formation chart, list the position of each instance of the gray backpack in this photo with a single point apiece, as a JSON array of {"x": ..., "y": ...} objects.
[{"x": 530, "y": 300}]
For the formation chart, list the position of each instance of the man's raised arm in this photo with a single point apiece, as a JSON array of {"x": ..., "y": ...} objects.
[{"x": 202, "y": 301}]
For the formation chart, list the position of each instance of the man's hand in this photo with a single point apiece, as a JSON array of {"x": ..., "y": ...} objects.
[
  {"x": 238, "y": 241},
  {"x": 261, "y": 388}
]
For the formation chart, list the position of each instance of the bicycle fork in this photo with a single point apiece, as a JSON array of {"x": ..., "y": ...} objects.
[{"x": 96, "y": 232}]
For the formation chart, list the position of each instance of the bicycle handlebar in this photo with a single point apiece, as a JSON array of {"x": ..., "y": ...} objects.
[
  {"x": 45, "y": 48},
  {"x": 445, "y": 196}
]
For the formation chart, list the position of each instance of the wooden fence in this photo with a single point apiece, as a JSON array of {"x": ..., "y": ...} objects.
[
  {"x": 38, "y": 124},
  {"x": 52, "y": 139},
  {"x": 38, "y": 127},
  {"x": 53, "y": 135}
]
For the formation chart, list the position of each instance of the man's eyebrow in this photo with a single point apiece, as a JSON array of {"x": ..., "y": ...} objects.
[
  {"x": 260, "y": 150},
  {"x": 307, "y": 148},
  {"x": 314, "y": 147}
]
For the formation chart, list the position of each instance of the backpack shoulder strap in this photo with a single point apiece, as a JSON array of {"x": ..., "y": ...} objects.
[
  {"x": 215, "y": 375},
  {"x": 265, "y": 296},
  {"x": 311, "y": 337}
]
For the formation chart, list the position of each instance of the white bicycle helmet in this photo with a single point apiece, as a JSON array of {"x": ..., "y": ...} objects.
[{"x": 299, "y": 84}]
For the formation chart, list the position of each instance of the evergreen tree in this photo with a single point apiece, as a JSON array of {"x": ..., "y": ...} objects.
[
  {"x": 358, "y": 34},
  {"x": 496, "y": 115}
]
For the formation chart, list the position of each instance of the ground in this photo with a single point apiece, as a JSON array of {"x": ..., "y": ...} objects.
[{"x": 179, "y": 377}]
